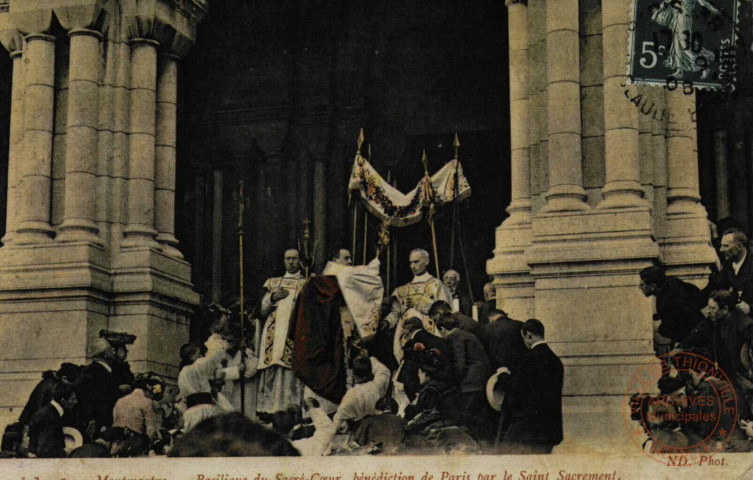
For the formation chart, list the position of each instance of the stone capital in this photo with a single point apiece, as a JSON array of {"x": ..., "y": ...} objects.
[
  {"x": 31, "y": 17},
  {"x": 170, "y": 22},
  {"x": 509, "y": 3},
  {"x": 84, "y": 14}
]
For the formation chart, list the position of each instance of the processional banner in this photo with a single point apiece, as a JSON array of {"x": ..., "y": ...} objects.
[{"x": 403, "y": 209}]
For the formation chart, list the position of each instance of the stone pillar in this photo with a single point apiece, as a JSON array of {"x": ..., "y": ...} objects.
[
  {"x": 99, "y": 116},
  {"x": 15, "y": 143},
  {"x": 509, "y": 267},
  {"x": 140, "y": 229},
  {"x": 721, "y": 172},
  {"x": 537, "y": 127},
  {"x": 566, "y": 191},
  {"x": 686, "y": 249},
  {"x": 520, "y": 206},
  {"x": 81, "y": 138},
  {"x": 621, "y": 142},
  {"x": 35, "y": 175},
  {"x": 165, "y": 154},
  {"x": 659, "y": 158}
]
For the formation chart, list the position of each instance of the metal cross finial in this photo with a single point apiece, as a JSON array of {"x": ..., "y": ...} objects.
[
  {"x": 425, "y": 161},
  {"x": 456, "y": 145}
]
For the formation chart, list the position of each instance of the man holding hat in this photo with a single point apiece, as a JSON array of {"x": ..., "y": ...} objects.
[
  {"x": 97, "y": 391},
  {"x": 46, "y": 438},
  {"x": 536, "y": 391}
]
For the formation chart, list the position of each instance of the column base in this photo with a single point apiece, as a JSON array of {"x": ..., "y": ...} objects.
[
  {"x": 622, "y": 194},
  {"x": 169, "y": 244},
  {"x": 8, "y": 238},
  {"x": 686, "y": 249},
  {"x": 140, "y": 236},
  {"x": 78, "y": 230},
  {"x": 565, "y": 198},
  {"x": 33, "y": 232},
  {"x": 153, "y": 298},
  {"x": 520, "y": 212}
]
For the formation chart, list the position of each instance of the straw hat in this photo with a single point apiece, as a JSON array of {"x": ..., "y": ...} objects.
[{"x": 496, "y": 386}]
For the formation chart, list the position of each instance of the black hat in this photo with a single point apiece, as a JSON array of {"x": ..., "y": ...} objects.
[{"x": 117, "y": 339}]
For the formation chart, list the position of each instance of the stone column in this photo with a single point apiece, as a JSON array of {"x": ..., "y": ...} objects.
[
  {"x": 509, "y": 266},
  {"x": 520, "y": 206},
  {"x": 165, "y": 154},
  {"x": 621, "y": 136},
  {"x": 687, "y": 252},
  {"x": 721, "y": 172},
  {"x": 682, "y": 154},
  {"x": 15, "y": 144},
  {"x": 81, "y": 138},
  {"x": 140, "y": 229},
  {"x": 563, "y": 100},
  {"x": 35, "y": 174}
]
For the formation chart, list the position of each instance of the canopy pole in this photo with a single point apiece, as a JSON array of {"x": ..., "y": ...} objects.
[{"x": 242, "y": 378}]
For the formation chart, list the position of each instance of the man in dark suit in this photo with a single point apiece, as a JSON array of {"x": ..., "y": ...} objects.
[
  {"x": 464, "y": 321},
  {"x": 536, "y": 391},
  {"x": 502, "y": 341},
  {"x": 723, "y": 334},
  {"x": 678, "y": 303},
  {"x": 46, "y": 438},
  {"x": 97, "y": 389},
  {"x": 419, "y": 340},
  {"x": 471, "y": 372},
  {"x": 736, "y": 272}
]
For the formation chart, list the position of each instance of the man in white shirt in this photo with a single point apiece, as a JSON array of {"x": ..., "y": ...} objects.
[{"x": 371, "y": 381}]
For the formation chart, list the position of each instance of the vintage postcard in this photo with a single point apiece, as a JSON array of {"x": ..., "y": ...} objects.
[{"x": 376, "y": 240}]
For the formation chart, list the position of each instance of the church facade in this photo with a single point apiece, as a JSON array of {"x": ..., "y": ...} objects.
[{"x": 122, "y": 181}]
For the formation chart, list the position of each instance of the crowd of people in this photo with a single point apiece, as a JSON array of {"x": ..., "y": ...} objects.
[
  {"x": 102, "y": 409},
  {"x": 713, "y": 324},
  {"x": 327, "y": 364},
  {"x": 412, "y": 373}
]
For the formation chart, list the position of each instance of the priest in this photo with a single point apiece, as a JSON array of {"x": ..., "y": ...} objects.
[
  {"x": 279, "y": 388},
  {"x": 414, "y": 300}
]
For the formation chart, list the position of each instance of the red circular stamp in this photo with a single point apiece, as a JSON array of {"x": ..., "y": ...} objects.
[{"x": 681, "y": 409}]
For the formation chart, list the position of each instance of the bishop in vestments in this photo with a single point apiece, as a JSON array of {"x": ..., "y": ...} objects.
[{"x": 414, "y": 299}]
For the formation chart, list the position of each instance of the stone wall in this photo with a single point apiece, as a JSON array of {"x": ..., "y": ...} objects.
[
  {"x": 89, "y": 240},
  {"x": 599, "y": 192}
]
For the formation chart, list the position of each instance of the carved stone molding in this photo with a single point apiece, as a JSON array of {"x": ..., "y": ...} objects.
[{"x": 170, "y": 22}]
